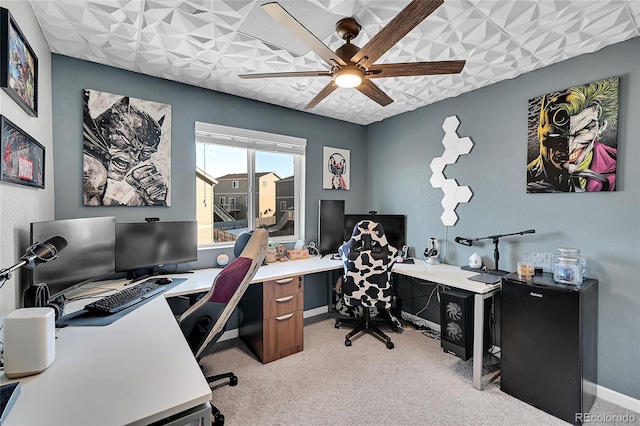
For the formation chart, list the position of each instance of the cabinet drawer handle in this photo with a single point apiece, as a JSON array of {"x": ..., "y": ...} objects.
[
  {"x": 284, "y": 299},
  {"x": 284, "y": 281},
  {"x": 284, "y": 317}
]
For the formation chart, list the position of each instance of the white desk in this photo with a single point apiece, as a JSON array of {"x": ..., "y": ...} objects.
[
  {"x": 449, "y": 275},
  {"x": 139, "y": 369},
  {"x": 202, "y": 279}
]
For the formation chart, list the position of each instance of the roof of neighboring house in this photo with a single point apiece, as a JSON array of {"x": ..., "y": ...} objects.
[{"x": 244, "y": 175}]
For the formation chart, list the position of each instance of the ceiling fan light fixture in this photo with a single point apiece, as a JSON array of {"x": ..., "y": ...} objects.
[{"x": 348, "y": 77}]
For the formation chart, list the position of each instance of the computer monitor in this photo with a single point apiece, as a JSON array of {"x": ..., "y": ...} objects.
[
  {"x": 89, "y": 255},
  {"x": 155, "y": 244},
  {"x": 394, "y": 226},
  {"x": 330, "y": 226}
]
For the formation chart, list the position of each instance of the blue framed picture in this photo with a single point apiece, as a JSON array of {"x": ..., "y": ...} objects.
[{"x": 19, "y": 71}]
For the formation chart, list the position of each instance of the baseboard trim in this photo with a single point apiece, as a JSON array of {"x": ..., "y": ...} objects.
[
  {"x": 316, "y": 311},
  {"x": 229, "y": 334},
  {"x": 619, "y": 399},
  {"x": 232, "y": 334}
]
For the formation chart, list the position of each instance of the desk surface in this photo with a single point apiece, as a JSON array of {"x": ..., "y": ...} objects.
[
  {"x": 139, "y": 369},
  {"x": 450, "y": 275},
  {"x": 202, "y": 279},
  {"x": 135, "y": 371}
]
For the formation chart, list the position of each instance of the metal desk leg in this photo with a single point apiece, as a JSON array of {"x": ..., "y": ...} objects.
[{"x": 480, "y": 381}]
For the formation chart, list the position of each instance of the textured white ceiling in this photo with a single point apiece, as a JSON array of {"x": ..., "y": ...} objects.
[{"x": 207, "y": 43}]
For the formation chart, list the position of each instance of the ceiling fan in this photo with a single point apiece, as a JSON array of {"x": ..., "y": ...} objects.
[{"x": 352, "y": 66}]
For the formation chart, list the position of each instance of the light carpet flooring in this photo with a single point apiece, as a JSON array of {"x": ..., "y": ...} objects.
[{"x": 415, "y": 383}]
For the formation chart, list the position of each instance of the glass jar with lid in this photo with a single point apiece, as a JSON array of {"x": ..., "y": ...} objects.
[
  {"x": 572, "y": 252},
  {"x": 568, "y": 270}
]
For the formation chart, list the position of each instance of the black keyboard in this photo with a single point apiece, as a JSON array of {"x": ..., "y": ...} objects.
[{"x": 125, "y": 298}]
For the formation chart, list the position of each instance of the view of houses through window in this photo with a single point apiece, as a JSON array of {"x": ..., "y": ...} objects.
[{"x": 244, "y": 185}]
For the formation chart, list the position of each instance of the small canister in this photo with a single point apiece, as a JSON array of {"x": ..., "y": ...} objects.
[
  {"x": 573, "y": 252},
  {"x": 567, "y": 270}
]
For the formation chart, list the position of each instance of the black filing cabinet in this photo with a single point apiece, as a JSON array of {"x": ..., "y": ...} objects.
[{"x": 549, "y": 344}]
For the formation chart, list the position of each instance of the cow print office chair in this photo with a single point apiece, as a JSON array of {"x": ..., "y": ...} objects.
[
  {"x": 205, "y": 321},
  {"x": 368, "y": 258}
]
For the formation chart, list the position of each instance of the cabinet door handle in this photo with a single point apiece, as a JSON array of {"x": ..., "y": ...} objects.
[
  {"x": 284, "y": 281},
  {"x": 284, "y": 317},
  {"x": 284, "y": 299}
]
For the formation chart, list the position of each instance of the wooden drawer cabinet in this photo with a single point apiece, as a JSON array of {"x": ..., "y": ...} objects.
[{"x": 272, "y": 325}]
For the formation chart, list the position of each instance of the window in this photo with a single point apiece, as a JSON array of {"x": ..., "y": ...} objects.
[{"x": 253, "y": 173}]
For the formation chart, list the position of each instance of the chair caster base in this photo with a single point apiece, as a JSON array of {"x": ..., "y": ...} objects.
[
  {"x": 390, "y": 345},
  {"x": 347, "y": 343},
  {"x": 217, "y": 418},
  {"x": 233, "y": 381}
]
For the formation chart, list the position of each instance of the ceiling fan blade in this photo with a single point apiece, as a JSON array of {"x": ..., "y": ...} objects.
[
  {"x": 394, "y": 31},
  {"x": 326, "y": 91},
  {"x": 283, "y": 17},
  {"x": 408, "y": 69},
  {"x": 369, "y": 89},
  {"x": 287, "y": 74}
]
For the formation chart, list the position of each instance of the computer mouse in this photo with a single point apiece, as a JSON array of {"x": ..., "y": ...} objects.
[{"x": 164, "y": 280}]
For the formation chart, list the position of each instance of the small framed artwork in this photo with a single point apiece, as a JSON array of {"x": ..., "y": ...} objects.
[
  {"x": 22, "y": 156},
  {"x": 19, "y": 70},
  {"x": 337, "y": 163}
]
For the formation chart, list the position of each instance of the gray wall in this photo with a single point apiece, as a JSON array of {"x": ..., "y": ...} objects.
[
  {"x": 190, "y": 104},
  {"x": 19, "y": 204},
  {"x": 605, "y": 226}
]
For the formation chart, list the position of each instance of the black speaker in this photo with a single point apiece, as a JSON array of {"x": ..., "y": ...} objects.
[
  {"x": 330, "y": 226},
  {"x": 456, "y": 323}
]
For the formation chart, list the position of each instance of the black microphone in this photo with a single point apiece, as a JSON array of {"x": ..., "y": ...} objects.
[
  {"x": 529, "y": 231},
  {"x": 464, "y": 241},
  {"x": 43, "y": 252}
]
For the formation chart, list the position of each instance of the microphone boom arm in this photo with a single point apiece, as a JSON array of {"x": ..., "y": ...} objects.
[
  {"x": 496, "y": 240},
  {"x": 5, "y": 274}
]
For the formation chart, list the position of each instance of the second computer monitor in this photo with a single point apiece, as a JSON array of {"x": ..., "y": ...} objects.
[{"x": 394, "y": 226}]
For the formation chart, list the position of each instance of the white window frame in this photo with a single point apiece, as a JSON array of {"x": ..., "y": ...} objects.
[
  {"x": 253, "y": 141},
  {"x": 235, "y": 184},
  {"x": 283, "y": 206}
]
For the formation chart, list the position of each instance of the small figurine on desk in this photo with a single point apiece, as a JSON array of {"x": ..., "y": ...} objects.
[
  {"x": 281, "y": 255},
  {"x": 475, "y": 261}
]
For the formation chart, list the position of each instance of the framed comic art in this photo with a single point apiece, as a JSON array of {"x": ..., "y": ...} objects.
[
  {"x": 22, "y": 156},
  {"x": 126, "y": 151},
  {"x": 19, "y": 70},
  {"x": 573, "y": 139}
]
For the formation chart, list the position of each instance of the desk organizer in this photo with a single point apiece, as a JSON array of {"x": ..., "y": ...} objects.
[{"x": 298, "y": 254}]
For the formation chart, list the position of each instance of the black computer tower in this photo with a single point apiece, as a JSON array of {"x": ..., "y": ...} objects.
[
  {"x": 456, "y": 323},
  {"x": 549, "y": 344}
]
